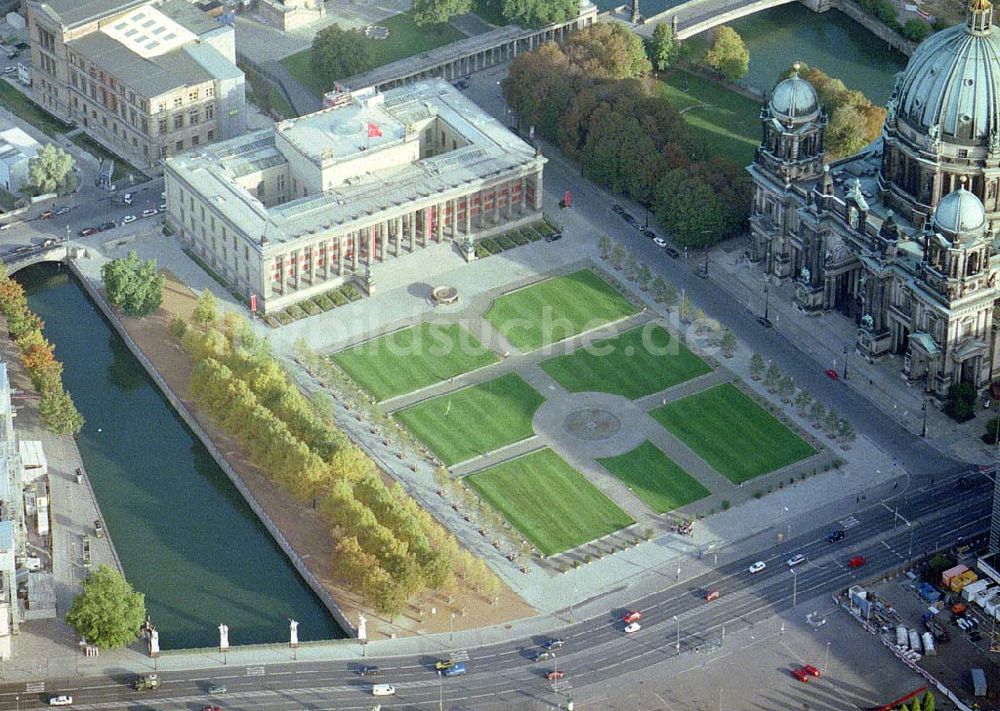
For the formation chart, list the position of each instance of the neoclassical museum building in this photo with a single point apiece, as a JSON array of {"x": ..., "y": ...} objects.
[{"x": 901, "y": 237}]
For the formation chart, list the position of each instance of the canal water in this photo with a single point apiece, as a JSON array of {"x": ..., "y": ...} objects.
[
  {"x": 780, "y": 36},
  {"x": 185, "y": 536}
]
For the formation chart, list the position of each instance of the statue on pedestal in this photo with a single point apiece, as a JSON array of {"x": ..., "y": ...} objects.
[
  {"x": 293, "y": 632},
  {"x": 223, "y": 637},
  {"x": 154, "y": 642},
  {"x": 362, "y": 628}
]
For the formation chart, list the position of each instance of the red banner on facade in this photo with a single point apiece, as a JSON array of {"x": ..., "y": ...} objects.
[
  {"x": 568, "y": 199},
  {"x": 253, "y": 303}
]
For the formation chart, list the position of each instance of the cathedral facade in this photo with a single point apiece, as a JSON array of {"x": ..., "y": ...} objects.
[{"x": 901, "y": 237}]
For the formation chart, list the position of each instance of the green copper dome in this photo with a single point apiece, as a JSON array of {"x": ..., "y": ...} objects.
[
  {"x": 794, "y": 99},
  {"x": 951, "y": 85}
]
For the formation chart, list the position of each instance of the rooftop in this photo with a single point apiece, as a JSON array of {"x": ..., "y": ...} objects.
[
  {"x": 78, "y": 12},
  {"x": 491, "y": 149},
  {"x": 148, "y": 32}
]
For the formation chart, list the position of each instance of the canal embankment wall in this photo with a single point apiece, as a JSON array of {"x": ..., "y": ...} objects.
[
  {"x": 189, "y": 419},
  {"x": 873, "y": 25}
]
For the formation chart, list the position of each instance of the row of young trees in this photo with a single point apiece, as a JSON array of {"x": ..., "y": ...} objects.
[
  {"x": 777, "y": 383},
  {"x": 592, "y": 97},
  {"x": 388, "y": 548},
  {"x": 55, "y": 409}
]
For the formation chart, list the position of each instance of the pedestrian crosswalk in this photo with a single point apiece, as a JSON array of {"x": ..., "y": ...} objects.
[
  {"x": 34, "y": 687},
  {"x": 849, "y": 522},
  {"x": 461, "y": 656},
  {"x": 561, "y": 686}
]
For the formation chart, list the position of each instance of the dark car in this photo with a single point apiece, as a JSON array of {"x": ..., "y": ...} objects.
[
  {"x": 543, "y": 655},
  {"x": 649, "y": 233},
  {"x": 369, "y": 670},
  {"x": 835, "y": 536},
  {"x": 87, "y": 231},
  {"x": 553, "y": 237},
  {"x": 553, "y": 644},
  {"x": 628, "y": 218},
  {"x": 672, "y": 253},
  {"x": 617, "y": 209},
  {"x": 461, "y": 84},
  {"x": 105, "y": 226}
]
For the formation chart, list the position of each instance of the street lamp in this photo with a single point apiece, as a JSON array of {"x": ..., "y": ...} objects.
[
  {"x": 826, "y": 658},
  {"x": 923, "y": 407},
  {"x": 766, "y": 323},
  {"x": 795, "y": 586},
  {"x": 678, "y": 645},
  {"x": 845, "y": 362}
]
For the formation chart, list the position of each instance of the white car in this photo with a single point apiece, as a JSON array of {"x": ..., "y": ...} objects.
[
  {"x": 127, "y": 219},
  {"x": 633, "y": 627},
  {"x": 9, "y": 69},
  {"x": 149, "y": 212},
  {"x": 757, "y": 567},
  {"x": 61, "y": 701},
  {"x": 795, "y": 560},
  {"x": 659, "y": 242}
]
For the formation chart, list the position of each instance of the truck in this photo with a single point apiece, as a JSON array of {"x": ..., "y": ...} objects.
[
  {"x": 978, "y": 682},
  {"x": 146, "y": 682}
]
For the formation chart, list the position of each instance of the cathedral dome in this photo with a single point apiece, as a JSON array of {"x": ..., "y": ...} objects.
[
  {"x": 794, "y": 99},
  {"x": 951, "y": 85},
  {"x": 959, "y": 211}
]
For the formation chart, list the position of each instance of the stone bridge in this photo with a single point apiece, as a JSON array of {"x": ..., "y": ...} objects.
[
  {"x": 695, "y": 16},
  {"x": 18, "y": 258}
]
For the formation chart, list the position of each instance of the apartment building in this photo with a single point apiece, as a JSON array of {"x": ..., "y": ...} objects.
[{"x": 145, "y": 79}]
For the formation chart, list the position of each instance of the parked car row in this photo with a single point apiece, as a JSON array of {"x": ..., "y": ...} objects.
[
  {"x": 127, "y": 220},
  {"x": 646, "y": 232}
]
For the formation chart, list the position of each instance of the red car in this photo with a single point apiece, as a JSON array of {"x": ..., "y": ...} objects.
[
  {"x": 831, "y": 374},
  {"x": 555, "y": 675},
  {"x": 811, "y": 670},
  {"x": 801, "y": 675},
  {"x": 211, "y": 708},
  {"x": 632, "y": 616},
  {"x": 712, "y": 595},
  {"x": 856, "y": 562},
  {"x": 47, "y": 215}
]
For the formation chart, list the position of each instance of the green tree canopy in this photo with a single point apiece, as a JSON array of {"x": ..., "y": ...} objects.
[
  {"x": 607, "y": 50},
  {"x": 108, "y": 613},
  {"x": 206, "y": 310},
  {"x": 728, "y": 54},
  {"x": 432, "y": 12},
  {"x": 338, "y": 53},
  {"x": 133, "y": 285},
  {"x": 536, "y": 13},
  {"x": 663, "y": 48},
  {"x": 51, "y": 171}
]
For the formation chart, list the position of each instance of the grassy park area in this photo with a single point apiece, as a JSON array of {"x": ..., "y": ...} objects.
[
  {"x": 638, "y": 362},
  {"x": 557, "y": 308},
  {"x": 725, "y": 121},
  {"x": 655, "y": 478},
  {"x": 22, "y": 107},
  {"x": 413, "y": 358},
  {"x": 405, "y": 39},
  {"x": 548, "y": 501},
  {"x": 474, "y": 420},
  {"x": 732, "y": 433}
]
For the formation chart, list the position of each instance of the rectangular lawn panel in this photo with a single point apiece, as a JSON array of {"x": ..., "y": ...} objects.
[
  {"x": 556, "y": 309},
  {"x": 548, "y": 501},
  {"x": 644, "y": 360},
  {"x": 413, "y": 358},
  {"x": 474, "y": 420},
  {"x": 655, "y": 478},
  {"x": 735, "y": 435}
]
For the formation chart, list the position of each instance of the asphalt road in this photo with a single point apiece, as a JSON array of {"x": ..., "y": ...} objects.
[{"x": 597, "y": 650}]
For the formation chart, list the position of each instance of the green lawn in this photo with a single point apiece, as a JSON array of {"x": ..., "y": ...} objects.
[
  {"x": 548, "y": 501},
  {"x": 474, "y": 420},
  {"x": 407, "y": 360},
  {"x": 655, "y": 478},
  {"x": 556, "y": 309},
  {"x": 731, "y": 432},
  {"x": 724, "y": 121},
  {"x": 644, "y": 360},
  {"x": 18, "y": 104},
  {"x": 405, "y": 39}
]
